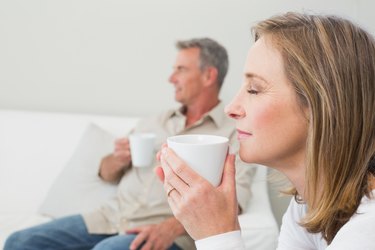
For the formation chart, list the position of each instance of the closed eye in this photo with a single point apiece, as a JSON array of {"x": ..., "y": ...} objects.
[{"x": 252, "y": 92}]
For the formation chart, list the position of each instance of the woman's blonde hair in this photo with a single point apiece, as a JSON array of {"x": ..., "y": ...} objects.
[{"x": 331, "y": 64}]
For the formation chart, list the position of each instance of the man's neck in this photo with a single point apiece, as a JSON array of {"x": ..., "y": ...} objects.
[{"x": 195, "y": 112}]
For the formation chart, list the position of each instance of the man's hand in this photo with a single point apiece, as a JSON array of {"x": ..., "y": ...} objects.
[
  {"x": 112, "y": 166},
  {"x": 157, "y": 236},
  {"x": 122, "y": 151}
]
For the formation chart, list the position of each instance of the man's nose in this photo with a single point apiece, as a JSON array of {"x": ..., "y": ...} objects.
[{"x": 172, "y": 78}]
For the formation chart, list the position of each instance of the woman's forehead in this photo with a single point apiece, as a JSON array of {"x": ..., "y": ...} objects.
[{"x": 265, "y": 61}]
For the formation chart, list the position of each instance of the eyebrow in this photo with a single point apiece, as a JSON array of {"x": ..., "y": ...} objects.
[
  {"x": 180, "y": 67},
  {"x": 252, "y": 75}
]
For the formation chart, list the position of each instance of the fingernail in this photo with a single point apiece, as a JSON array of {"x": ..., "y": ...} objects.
[
  {"x": 231, "y": 149},
  {"x": 164, "y": 151}
]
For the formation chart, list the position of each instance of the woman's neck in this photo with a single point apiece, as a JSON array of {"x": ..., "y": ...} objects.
[{"x": 295, "y": 170}]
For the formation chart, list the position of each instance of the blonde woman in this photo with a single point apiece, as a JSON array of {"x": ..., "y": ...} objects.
[{"x": 307, "y": 109}]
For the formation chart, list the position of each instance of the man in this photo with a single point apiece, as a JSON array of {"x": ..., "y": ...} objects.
[{"x": 139, "y": 217}]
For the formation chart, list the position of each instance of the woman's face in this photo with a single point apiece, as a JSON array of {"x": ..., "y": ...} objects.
[{"x": 271, "y": 125}]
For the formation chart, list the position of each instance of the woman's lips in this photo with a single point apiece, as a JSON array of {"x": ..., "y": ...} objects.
[{"x": 242, "y": 134}]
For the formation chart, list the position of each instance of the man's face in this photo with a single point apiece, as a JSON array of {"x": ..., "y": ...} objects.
[{"x": 187, "y": 77}]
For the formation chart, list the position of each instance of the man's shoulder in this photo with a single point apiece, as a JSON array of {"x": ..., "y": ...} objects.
[
  {"x": 158, "y": 118},
  {"x": 161, "y": 116}
]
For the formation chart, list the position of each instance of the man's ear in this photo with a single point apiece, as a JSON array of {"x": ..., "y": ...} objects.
[{"x": 211, "y": 74}]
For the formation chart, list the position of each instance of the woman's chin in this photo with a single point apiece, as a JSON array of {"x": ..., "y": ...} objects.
[{"x": 246, "y": 157}]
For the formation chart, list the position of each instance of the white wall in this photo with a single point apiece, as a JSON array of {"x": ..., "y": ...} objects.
[{"x": 114, "y": 57}]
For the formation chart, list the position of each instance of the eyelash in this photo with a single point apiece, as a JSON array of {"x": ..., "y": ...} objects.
[{"x": 252, "y": 91}]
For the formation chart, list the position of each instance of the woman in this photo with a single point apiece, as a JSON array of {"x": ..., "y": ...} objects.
[{"x": 307, "y": 109}]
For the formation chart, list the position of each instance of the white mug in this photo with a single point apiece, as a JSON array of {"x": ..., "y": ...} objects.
[
  {"x": 142, "y": 149},
  {"x": 205, "y": 154}
]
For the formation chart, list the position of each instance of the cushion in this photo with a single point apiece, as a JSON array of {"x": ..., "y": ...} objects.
[{"x": 78, "y": 187}]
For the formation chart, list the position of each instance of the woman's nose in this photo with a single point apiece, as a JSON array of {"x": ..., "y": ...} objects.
[{"x": 235, "y": 109}]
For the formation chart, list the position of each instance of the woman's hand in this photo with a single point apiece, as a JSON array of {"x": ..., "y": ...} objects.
[{"x": 203, "y": 209}]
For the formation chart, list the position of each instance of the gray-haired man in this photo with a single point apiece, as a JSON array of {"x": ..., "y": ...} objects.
[{"x": 139, "y": 217}]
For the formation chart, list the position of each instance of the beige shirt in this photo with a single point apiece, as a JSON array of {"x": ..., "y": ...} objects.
[{"x": 141, "y": 199}]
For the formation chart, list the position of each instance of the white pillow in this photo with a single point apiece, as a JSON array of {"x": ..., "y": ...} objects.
[{"x": 78, "y": 187}]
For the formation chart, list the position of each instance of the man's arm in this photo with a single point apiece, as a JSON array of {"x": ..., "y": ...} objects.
[
  {"x": 113, "y": 166},
  {"x": 157, "y": 236}
]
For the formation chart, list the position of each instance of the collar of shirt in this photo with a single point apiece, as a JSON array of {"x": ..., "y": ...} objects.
[{"x": 216, "y": 114}]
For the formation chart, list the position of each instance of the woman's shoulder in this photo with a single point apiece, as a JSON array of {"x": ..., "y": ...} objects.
[
  {"x": 293, "y": 235},
  {"x": 365, "y": 214},
  {"x": 296, "y": 209},
  {"x": 359, "y": 231},
  {"x": 367, "y": 206}
]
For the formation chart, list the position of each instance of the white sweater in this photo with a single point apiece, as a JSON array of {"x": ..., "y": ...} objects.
[{"x": 357, "y": 233}]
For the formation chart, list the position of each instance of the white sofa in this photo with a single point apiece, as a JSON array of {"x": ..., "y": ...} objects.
[{"x": 48, "y": 164}]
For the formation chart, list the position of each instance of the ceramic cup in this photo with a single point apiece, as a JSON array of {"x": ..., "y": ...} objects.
[
  {"x": 142, "y": 149},
  {"x": 204, "y": 153}
]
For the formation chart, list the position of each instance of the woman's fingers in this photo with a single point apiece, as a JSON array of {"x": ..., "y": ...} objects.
[
  {"x": 171, "y": 180},
  {"x": 228, "y": 180},
  {"x": 158, "y": 154},
  {"x": 192, "y": 198},
  {"x": 178, "y": 168},
  {"x": 159, "y": 172}
]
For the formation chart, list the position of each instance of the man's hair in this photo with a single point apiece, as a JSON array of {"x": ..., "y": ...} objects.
[
  {"x": 212, "y": 54},
  {"x": 330, "y": 63}
]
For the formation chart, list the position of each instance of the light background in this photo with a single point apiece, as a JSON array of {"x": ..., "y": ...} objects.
[{"x": 114, "y": 57}]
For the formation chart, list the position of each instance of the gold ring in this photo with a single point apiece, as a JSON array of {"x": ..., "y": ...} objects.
[{"x": 170, "y": 190}]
